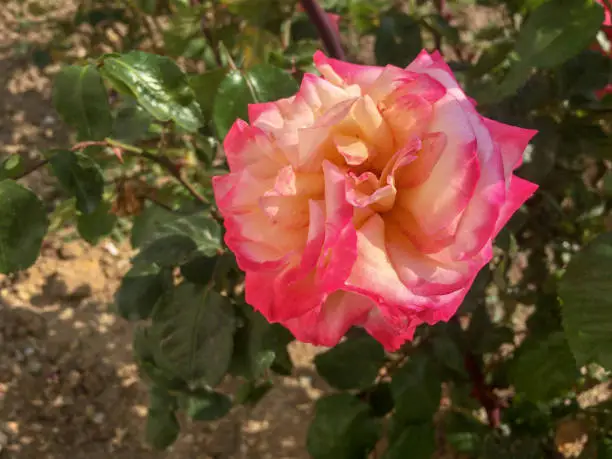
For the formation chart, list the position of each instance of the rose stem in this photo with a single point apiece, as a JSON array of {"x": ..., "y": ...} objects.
[{"x": 328, "y": 35}]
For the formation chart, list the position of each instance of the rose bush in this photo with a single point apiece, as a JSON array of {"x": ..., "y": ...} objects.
[{"x": 370, "y": 198}]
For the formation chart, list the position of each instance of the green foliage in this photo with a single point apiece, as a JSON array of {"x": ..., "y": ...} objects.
[
  {"x": 157, "y": 83},
  {"x": 23, "y": 224},
  {"x": 586, "y": 295},
  {"x": 98, "y": 224},
  {"x": 205, "y": 405},
  {"x": 415, "y": 441},
  {"x": 553, "y": 33},
  {"x": 352, "y": 364},
  {"x": 149, "y": 138},
  {"x": 544, "y": 369},
  {"x": 194, "y": 327},
  {"x": 140, "y": 290},
  {"x": 398, "y": 40},
  {"x": 342, "y": 428},
  {"x": 416, "y": 391},
  {"x": 81, "y": 177},
  {"x": 12, "y": 167},
  {"x": 162, "y": 427},
  {"x": 181, "y": 239},
  {"x": 80, "y": 98}
]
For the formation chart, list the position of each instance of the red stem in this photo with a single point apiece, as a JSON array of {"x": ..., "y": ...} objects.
[
  {"x": 328, "y": 35},
  {"x": 482, "y": 391}
]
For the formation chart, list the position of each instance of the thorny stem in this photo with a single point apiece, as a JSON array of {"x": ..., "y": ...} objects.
[
  {"x": 175, "y": 171},
  {"x": 328, "y": 35},
  {"x": 32, "y": 168},
  {"x": 161, "y": 160},
  {"x": 482, "y": 391},
  {"x": 158, "y": 203}
]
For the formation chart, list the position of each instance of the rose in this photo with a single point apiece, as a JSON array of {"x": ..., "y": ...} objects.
[{"x": 370, "y": 198}]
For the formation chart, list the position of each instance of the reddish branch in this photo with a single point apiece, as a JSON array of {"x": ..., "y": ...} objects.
[
  {"x": 330, "y": 38},
  {"x": 482, "y": 391},
  {"x": 165, "y": 162}
]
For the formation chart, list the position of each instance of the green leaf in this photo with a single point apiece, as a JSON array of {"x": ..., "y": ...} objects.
[
  {"x": 364, "y": 14},
  {"x": 557, "y": 31},
  {"x": 147, "y": 222},
  {"x": 342, "y": 428},
  {"x": 464, "y": 433},
  {"x": 158, "y": 84},
  {"x": 277, "y": 338},
  {"x": 443, "y": 28},
  {"x": 161, "y": 400},
  {"x": 416, "y": 389},
  {"x": 258, "y": 345},
  {"x": 497, "y": 447},
  {"x": 553, "y": 33},
  {"x": 604, "y": 448},
  {"x": 607, "y": 183},
  {"x": 206, "y": 405},
  {"x": 544, "y": 369},
  {"x": 81, "y": 177},
  {"x": 398, "y": 40},
  {"x": 12, "y": 167},
  {"x": 132, "y": 124},
  {"x": 380, "y": 399},
  {"x": 97, "y": 225},
  {"x": 195, "y": 329},
  {"x": 352, "y": 364},
  {"x": 447, "y": 352},
  {"x": 140, "y": 290},
  {"x": 146, "y": 347},
  {"x": 200, "y": 270},
  {"x": 80, "y": 98},
  {"x": 180, "y": 240},
  {"x": 415, "y": 441},
  {"x": 23, "y": 225},
  {"x": 491, "y": 57},
  {"x": 261, "y": 83},
  {"x": 162, "y": 428},
  {"x": 250, "y": 393},
  {"x": 585, "y": 73},
  {"x": 146, "y": 6},
  {"x": 205, "y": 87},
  {"x": 586, "y": 295}
]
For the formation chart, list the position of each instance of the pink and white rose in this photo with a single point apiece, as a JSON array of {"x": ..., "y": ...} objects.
[{"x": 370, "y": 198}]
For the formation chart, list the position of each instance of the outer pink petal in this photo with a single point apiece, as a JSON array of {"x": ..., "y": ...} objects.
[
  {"x": 249, "y": 147},
  {"x": 520, "y": 190},
  {"x": 383, "y": 331},
  {"x": 278, "y": 299},
  {"x": 339, "y": 71},
  {"x": 446, "y": 306},
  {"x": 478, "y": 222},
  {"x": 511, "y": 141},
  {"x": 327, "y": 324}
]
